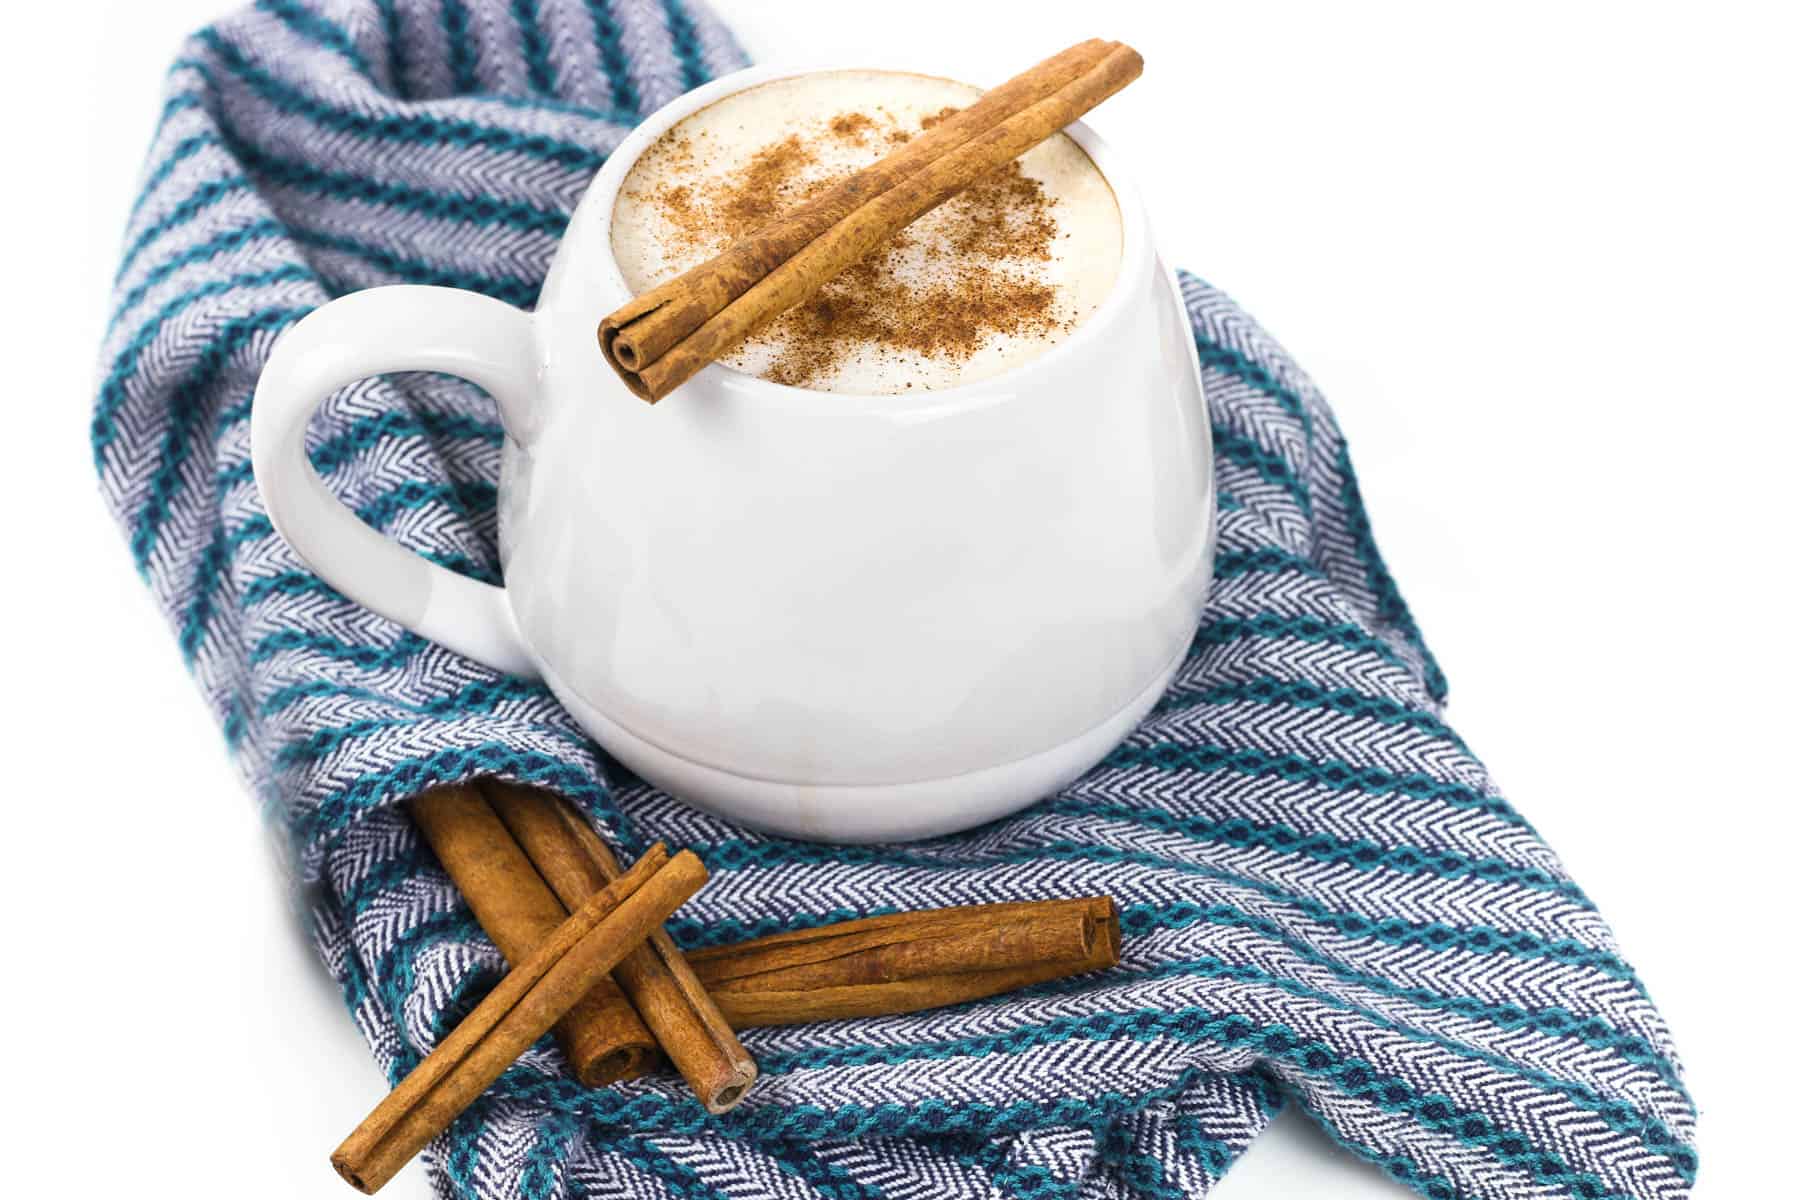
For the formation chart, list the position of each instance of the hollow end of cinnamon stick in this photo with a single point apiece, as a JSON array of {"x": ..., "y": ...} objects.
[
  {"x": 598, "y": 1061},
  {"x": 348, "y": 1174},
  {"x": 625, "y": 1062},
  {"x": 616, "y": 358},
  {"x": 627, "y": 359},
  {"x": 1106, "y": 920},
  {"x": 726, "y": 1098},
  {"x": 626, "y": 353}
]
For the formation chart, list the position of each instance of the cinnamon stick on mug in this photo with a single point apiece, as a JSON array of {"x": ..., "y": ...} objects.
[
  {"x": 662, "y": 988},
  {"x": 659, "y": 340},
  {"x": 520, "y": 1009},
  {"x": 602, "y": 1036}
]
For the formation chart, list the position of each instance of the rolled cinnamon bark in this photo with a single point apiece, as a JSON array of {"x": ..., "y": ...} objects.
[
  {"x": 520, "y": 1009},
  {"x": 601, "y": 1036},
  {"x": 661, "y": 339},
  {"x": 661, "y": 986},
  {"x": 646, "y": 327},
  {"x": 993, "y": 937},
  {"x": 905, "y": 962}
]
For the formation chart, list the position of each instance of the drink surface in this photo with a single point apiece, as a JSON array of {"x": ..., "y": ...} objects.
[{"x": 986, "y": 281}]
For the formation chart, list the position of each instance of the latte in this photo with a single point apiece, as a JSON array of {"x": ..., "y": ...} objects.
[{"x": 987, "y": 281}]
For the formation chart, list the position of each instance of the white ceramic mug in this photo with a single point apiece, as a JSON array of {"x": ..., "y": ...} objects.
[{"x": 841, "y": 617}]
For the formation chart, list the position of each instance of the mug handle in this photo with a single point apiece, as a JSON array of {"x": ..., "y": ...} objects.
[{"x": 401, "y": 328}]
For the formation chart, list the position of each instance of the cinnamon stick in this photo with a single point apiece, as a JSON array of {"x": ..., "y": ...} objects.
[
  {"x": 915, "y": 945},
  {"x": 644, "y": 329},
  {"x": 662, "y": 988},
  {"x": 601, "y": 1036},
  {"x": 660, "y": 339},
  {"x": 905, "y": 962},
  {"x": 520, "y": 1009}
]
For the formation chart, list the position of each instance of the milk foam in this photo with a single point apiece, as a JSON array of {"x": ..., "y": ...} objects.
[{"x": 654, "y": 238}]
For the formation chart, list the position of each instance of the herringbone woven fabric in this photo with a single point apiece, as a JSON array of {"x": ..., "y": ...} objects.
[{"x": 1326, "y": 900}]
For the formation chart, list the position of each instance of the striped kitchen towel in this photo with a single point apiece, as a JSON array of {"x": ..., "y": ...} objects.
[{"x": 1326, "y": 900}]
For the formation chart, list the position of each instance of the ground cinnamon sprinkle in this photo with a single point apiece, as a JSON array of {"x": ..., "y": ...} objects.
[
  {"x": 941, "y": 288},
  {"x": 769, "y": 188},
  {"x": 852, "y": 125}
]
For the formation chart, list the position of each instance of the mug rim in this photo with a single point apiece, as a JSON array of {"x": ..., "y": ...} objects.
[{"x": 1136, "y": 259}]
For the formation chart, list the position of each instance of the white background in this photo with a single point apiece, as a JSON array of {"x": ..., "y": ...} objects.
[{"x": 1543, "y": 259}]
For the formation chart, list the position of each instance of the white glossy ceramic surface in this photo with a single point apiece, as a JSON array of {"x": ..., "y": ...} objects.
[{"x": 839, "y": 617}]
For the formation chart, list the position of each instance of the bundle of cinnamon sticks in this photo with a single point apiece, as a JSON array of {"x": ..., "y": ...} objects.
[
  {"x": 659, "y": 340},
  {"x": 532, "y": 996},
  {"x": 590, "y": 958}
]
